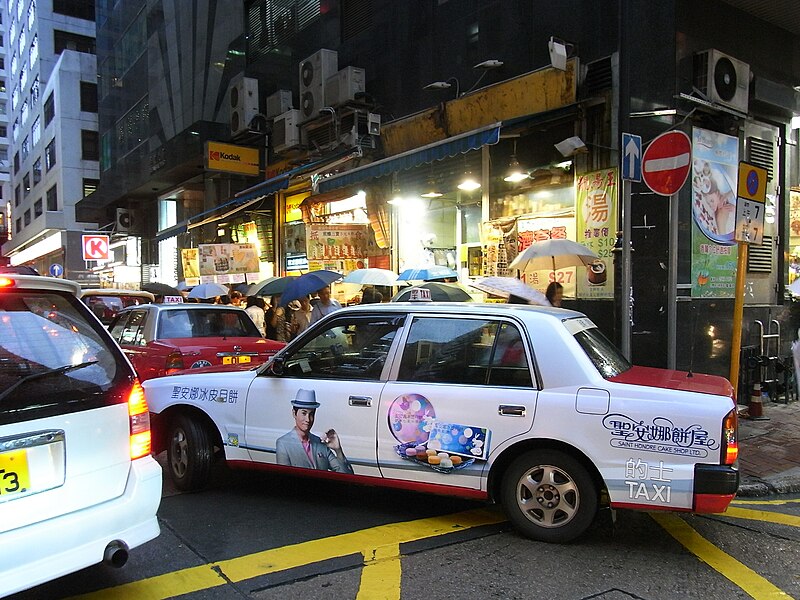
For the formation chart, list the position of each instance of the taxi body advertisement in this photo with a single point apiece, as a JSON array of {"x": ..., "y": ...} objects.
[{"x": 447, "y": 400}]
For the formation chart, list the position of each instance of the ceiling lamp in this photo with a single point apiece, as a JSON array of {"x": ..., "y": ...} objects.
[
  {"x": 431, "y": 190},
  {"x": 469, "y": 183},
  {"x": 515, "y": 172}
]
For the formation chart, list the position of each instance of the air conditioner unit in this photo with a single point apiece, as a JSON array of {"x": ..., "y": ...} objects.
[
  {"x": 344, "y": 85},
  {"x": 285, "y": 131},
  {"x": 243, "y": 96},
  {"x": 278, "y": 103},
  {"x": 722, "y": 79},
  {"x": 373, "y": 124},
  {"x": 314, "y": 71},
  {"x": 126, "y": 220}
]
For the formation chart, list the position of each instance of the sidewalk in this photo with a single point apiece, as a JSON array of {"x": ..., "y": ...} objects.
[{"x": 769, "y": 450}]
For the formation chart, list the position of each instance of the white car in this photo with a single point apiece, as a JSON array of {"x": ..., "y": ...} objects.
[
  {"x": 78, "y": 485},
  {"x": 528, "y": 406}
]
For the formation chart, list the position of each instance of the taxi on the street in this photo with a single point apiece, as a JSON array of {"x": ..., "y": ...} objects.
[{"x": 528, "y": 406}]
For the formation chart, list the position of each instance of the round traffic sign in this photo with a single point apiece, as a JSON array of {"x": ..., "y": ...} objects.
[
  {"x": 666, "y": 162},
  {"x": 752, "y": 182}
]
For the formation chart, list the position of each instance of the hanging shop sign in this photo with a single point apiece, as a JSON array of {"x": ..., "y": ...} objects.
[
  {"x": 326, "y": 242},
  {"x": 95, "y": 247},
  {"x": 714, "y": 178},
  {"x": 231, "y": 159},
  {"x": 191, "y": 263},
  {"x": 292, "y": 211},
  {"x": 596, "y": 228},
  {"x": 227, "y": 259}
]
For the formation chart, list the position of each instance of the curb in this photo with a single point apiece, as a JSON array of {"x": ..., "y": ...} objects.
[{"x": 782, "y": 483}]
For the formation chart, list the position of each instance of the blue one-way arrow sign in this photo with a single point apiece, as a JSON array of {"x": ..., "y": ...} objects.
[{"x": 631, "y": 157}]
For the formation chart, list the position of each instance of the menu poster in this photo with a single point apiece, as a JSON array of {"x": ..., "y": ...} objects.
[
  {"x": 191, "y": 264},
  {"x": 335, "y": 242},
  {"x": 596, "y": 215},
  {"x": 532, "y": 230},
  {"x": 218, "y": 259}
]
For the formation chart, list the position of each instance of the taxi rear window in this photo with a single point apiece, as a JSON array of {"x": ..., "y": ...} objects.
[{"x": 607, "y": 359}]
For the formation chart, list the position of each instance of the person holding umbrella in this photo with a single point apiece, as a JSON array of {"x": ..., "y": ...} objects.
[
  {"x": 276, "y": 320},
  {"x": 325, "y": 306},
  {"x": 554, "y": 293}
]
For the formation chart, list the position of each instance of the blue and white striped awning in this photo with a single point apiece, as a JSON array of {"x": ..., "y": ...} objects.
[{"x": 452, "y": 146}]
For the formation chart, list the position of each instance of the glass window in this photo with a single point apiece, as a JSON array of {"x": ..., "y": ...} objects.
[
  {"x": 26, "y": 185},
  {"x": 36, "y": 132},
  {"x": 80, "y": 10},
  {"x": 25, "y": 148},
  {"x": 49, "y": 109},
  {"x": 90, "y": 145},
  {"x": 3, "y": 131},
  {"x": 33, "y": 53},
  {"x": 31, "y": 14},
  {"x": 23, "y": 76},
  {"x": 15, "y": 98},
  {"x": 50, "y": 155},
  {"x": 16, "y": 163},
  {"x": 89, "y": 186},
  {"x": 606, "y": 357},
  {"x": 37, "y": 209},
  {"x": 465, "y": 352},
  {"x": 88, "y": 97},
  {"x": 37, "y": 171},
  {"x": 14, "y": 63},
  {"x": 17, "y": 195},
  {"x": 35, "y": 92},
  {"x": 27, "y": 217},
  {"x": 2, "y": 85},
  {"x": 24, "y": 114},
  {"x": 64, "y": 40},
  {"x": 350, "y": 348},
  {"x": 52, "y": 198},
  {"x": 15, "y": 129},
  {"x": 19, "y": 225},
  {"x": 22, "y": 40}
]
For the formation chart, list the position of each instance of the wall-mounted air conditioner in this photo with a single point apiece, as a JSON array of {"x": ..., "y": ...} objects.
[
  {"x": 314, "y": 71},
  {"x": 126, "y": 220},
  {"x": 278, "y": 103},
  {"x": 243, "y": 96},
  {"x": 344, "y": 85},
  {"x": 285, "y": 131},
  {"x": 722, "y": 79}
]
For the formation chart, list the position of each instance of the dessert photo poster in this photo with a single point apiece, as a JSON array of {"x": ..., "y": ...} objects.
[{"x": 596, "y": 226}]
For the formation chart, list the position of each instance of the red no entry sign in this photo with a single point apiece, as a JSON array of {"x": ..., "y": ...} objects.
[{"x": 666, "y": 162}]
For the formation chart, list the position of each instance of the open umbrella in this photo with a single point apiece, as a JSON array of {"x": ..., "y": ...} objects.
[
  {"x": 272, "y": 286},
  {"x": 161, "y": 289},
  {"x": 440, "y": 292},
  {"x": 794, "y": 287},
  {"x": 308, "y": 283},
  {"x": 208, "y": 290},
  {"x": 371, "y": 277},
  {"x": 553, "y": 254},
  {"x": 508, "y": 286},
  {"x": 427, "y": 273}
]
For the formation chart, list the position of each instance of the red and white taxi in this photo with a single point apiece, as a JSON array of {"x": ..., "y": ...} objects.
[
  {"x": 528, "y": 406},
  {"x": 161, "y": 339}
]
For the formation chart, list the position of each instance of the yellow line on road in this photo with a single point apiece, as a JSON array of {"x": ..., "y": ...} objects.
[
  {"x": 762, "y": 515},
  {"x": 203, "y": 577},
  {"x": 380, "y": 577},
  {"x": 748, "y": 580},
  {"x": 775, "y": 502}
]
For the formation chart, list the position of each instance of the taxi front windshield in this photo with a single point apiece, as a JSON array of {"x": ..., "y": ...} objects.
[
  {"x": 607, "y": 359},
  {"x": 48, "y": 348}
]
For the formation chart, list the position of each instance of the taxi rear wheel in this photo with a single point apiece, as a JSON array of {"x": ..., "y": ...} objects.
[
  {"x": 549, "y": 496},
  {"x": 190, "y": 453}
]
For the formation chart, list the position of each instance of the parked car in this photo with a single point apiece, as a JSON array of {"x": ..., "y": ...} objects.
[
  {"x": 107, "y": 302},
  {"x": 77, "y": 482},
  {"x": 528, "y": 406},
  {"x": 161, "y": 339}
]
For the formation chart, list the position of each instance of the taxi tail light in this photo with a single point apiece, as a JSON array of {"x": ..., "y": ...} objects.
[
  {"x": 139, "y": 415},
  {"x": 730, "y": 438},
  {"x": 174, "y": 363},
  {"x": 6, "y": 282}
]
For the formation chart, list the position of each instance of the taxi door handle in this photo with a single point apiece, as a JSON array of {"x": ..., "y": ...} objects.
[
  {"x": 360, "y": 401},
  {"x": 511, "y": 410}
]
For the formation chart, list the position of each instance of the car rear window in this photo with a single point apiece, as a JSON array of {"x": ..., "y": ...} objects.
[
  {"x": 107, "y": 307},
  {"x": 608, "y": 360},
  {"x": 199, "y": 323},
  {"x": 50, "y": 352}
]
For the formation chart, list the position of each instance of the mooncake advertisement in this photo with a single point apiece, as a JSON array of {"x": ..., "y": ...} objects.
[{"x": 224, "y": 259}]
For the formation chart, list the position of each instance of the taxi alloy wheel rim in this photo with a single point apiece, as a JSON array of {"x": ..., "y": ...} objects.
[
  {"x": 180, "y": 449},
  {"x": 548, "y": 496}
]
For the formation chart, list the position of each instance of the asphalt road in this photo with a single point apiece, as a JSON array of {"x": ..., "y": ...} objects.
[{"x": 261, "y": 536}]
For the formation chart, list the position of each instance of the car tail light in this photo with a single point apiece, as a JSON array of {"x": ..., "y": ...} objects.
[
  {"x": 730, "y": 438},
  {"x": 174, "y": 363},
  {"x": 6, "y": 282},
  {"x": 139, "y": 414}
]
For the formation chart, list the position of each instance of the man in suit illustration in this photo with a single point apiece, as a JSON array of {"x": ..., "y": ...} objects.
[{"x": 301, "y": 448}]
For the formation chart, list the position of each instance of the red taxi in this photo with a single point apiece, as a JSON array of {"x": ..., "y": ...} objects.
[{"x": 161, "y": 339}]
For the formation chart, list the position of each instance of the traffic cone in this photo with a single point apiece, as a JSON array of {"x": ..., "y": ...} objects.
[{"x": 756, "y": 408}]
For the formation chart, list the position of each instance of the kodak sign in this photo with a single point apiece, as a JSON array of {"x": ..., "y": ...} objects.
[{"x": 231, "y": 159}]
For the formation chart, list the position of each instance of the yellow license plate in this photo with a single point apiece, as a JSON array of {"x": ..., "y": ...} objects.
[
  {"x": 14, "y": 477},
  {"x": 235, "y": 360}
]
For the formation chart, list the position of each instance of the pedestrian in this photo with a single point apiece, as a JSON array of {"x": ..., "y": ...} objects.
[
  {"x": 302, "y": 317},
  {"x": 236, "y": 298},
  {"x": 256, "y": 313},
  {"x": 325, "y": 306},
  {"x": 554, "y": 293},
  {"x": 369, "y": 295},
  {"x": 275, "y": 327}
]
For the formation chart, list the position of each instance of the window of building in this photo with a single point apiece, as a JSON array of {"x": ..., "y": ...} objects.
[
  {"x": 16, "y": 163},
  {"x": 15, "y": 129},
  {"x": 27, "y": 217},
  {"x": 31, "y": 14},
  {"x": 26, "y": 185},
  {"x": 20, "y": 11},
  {"x": 80, "y": 10},
  {"x": 14, "y": 63},
  {"x": 132, "y": 128},
  {"x": 88, "y": 97},
  {"x": 37, "y": 171},
  {"x": 15, "y": 98},
  {"x": 2, "y": 104},
  {"x": 17, "y": 195},
  {"x": 2, "y": 85},
  {"x": 49, "y": 109},
  {"x": 52, "y": 198},
  {"x": 89, "y": 186},
  {"x": 22, "y": 42},
  {"x": 90, "y": 145},
  {"x": 19, "y": 225},
  {"x": 24, "y": 113},
  {"x": 33, "y": 53},
  {"x": 2, "y": 62},
  {"x": 25, "y": 148},
  {"x": 64, "y": 40},
  {"x": 105, "y": 156},
  {"x": 3, "y": 158},
  {"x": 3, "y": 131},
  {"x": 36, "y": 132},
  {"x": 50, "y": 155},
  {"x": 37, "y": 209}
]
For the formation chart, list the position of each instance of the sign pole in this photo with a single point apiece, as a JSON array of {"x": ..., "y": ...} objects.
[
  {"x": 672, "y": 284},
  {"x": 738, "y": 312},
  {"x": 625, "y": 301}
]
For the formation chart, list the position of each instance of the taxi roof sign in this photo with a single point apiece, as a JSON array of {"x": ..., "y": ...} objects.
[{"x": 419, "y": 295}]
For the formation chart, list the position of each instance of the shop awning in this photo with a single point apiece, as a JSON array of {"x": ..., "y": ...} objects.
[
  {"x": 452, "y": 146},
  {"x": 245, "y": 198}
]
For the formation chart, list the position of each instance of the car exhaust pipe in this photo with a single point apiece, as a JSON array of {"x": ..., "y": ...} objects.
[{"x": 116, "y": 554}]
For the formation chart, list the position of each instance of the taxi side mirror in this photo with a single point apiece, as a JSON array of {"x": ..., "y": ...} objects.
[{"x": 276, "y": 367}]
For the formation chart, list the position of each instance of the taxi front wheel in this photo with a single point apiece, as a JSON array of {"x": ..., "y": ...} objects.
[
  {"x": 549, "y": 496},
  {"x": 190, "y": 453}
]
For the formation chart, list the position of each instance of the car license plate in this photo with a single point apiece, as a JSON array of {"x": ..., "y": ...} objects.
[
  {"x": 14, "y": 477},
  {"x": 235, "y": 360}
]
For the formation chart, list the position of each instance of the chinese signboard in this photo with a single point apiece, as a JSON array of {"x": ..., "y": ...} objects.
[
  {"x": 530, "y": 231},
  {"x": 596, "y": 227},
  {"x": 326, "y": 242},
  {"x": 219, "y": 259}
]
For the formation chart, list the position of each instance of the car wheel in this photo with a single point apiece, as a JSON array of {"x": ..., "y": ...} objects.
[
  {"x": 549, "y": 496},
  {"x": 189, "y": 454}
]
